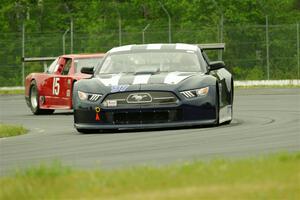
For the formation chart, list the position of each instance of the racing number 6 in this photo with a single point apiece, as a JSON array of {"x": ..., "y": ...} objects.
[{"x": 56, "y": 86}]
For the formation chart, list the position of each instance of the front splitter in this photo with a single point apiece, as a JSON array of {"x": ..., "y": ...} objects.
[{"x": 144, "y": 126}]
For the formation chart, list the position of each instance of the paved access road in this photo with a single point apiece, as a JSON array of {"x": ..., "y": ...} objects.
[{"x": 265, "y": 120}]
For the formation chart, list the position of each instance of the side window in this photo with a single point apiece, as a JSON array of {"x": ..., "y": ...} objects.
[
  {"x": 67, "y": 67},
  {"x": 205, "y": 57},
  {"x": 52, "y": 67},
  {"x": 60, "y": 65}
]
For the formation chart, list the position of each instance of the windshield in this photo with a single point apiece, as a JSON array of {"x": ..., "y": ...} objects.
[
  {"x": 151, "y": 62},
  {"x": 53, "y": 67},
  {"x": 86, "y": 62}
]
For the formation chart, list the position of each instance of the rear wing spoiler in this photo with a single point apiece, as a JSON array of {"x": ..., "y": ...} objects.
[
  {"x": 39, "y": 59},
  {"x": 212, "y": 46}
]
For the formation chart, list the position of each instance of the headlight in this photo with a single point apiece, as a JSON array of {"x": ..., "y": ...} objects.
[
  {"x": 87, "y": 96},
  {"x": 82, "y": 95},
  {"x": 195, "y": 93}
]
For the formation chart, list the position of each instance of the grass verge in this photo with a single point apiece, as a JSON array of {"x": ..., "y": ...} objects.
[
  {"x": 11, "y": 130},
  {"x": 271, "y": 177},
  {"x": 5, "y": 92},
  {"x": 267, "y": 86}
]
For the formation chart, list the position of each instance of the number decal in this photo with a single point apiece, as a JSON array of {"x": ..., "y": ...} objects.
[{"x": 56, "y": 86}]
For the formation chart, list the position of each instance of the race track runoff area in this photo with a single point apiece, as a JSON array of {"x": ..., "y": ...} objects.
[{"x": 265, "y": 120}]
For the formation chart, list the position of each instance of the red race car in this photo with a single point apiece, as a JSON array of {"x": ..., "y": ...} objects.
[{"x": 51, "y": 90}]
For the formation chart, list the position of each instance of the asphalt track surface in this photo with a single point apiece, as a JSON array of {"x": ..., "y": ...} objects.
[{"x": 265, "y": 121}]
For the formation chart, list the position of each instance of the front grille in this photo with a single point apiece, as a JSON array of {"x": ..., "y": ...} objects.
[
  {"x": 146, "y": 117},
  {"x": 132, "y": 99}
]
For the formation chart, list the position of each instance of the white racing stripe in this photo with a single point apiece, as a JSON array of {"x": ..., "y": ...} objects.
[
  {"x": 171, "y": 78},
  {"x": 122, "y": 48},
  {"x": 175, "y": 78},
  {"x": 186, "y": 47},
  {"x": 141, "y": 79},
  {"x": 114, "y": 80},
  {"x": 154, "y": 46}
]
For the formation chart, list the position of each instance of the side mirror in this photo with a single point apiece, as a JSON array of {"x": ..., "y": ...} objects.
[
  {"x": 216, "y": 65},
  {"x": 87, "y": 70}
]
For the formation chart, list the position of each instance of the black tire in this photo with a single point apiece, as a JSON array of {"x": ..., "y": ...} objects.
[
  {"x": 34, "y": 101},
  {"x": 227, "y": 122},
  {"x": 86, "y": 131},
  {"x": 217, "y": 105},
  {"x": 231, "y": 103},
  {"x": 232, "y": 92}
]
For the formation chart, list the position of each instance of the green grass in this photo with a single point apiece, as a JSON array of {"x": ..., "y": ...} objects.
[
  {"x": 5, "y": 92},
  {"x": 11, "y": 130},
  {"x": 270, "y": 177}
]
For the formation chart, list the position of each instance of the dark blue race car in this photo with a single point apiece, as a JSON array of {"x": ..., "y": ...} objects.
[{"x": 154, "y": 86}]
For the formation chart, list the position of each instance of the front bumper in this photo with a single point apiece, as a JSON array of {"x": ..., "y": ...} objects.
[{"x": 195, "y": 112}]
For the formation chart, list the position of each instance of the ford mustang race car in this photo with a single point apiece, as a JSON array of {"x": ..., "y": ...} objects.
[
  {"x": 45, "y": 92},
  {"x": 154, "y": 86}
]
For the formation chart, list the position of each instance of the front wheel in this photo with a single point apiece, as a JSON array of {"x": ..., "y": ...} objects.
[
  {"x": 231, "y": 103},
  {"x": 34, "y": 101},
  {"x": 217, "y": 106}
]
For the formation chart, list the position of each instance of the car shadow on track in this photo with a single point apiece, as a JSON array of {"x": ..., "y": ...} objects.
[
  {"x": 148, "y": 130},
  {"x": 49, "y": 115},
  {"x": 235, "y": 122},
  {"x": 63, "y": 113}
]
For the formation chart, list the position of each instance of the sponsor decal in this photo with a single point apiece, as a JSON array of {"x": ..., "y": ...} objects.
[
  {"x": 68, "y": 92},
  {"x": 97, "y": 109},
  {"x": 139, "y": 98},
  {"x": 69, "y": 82},
  {"x": 42, "y": 99},
  {"x": 112, "y": 103},
  {"x": 119, "y": 88}
]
